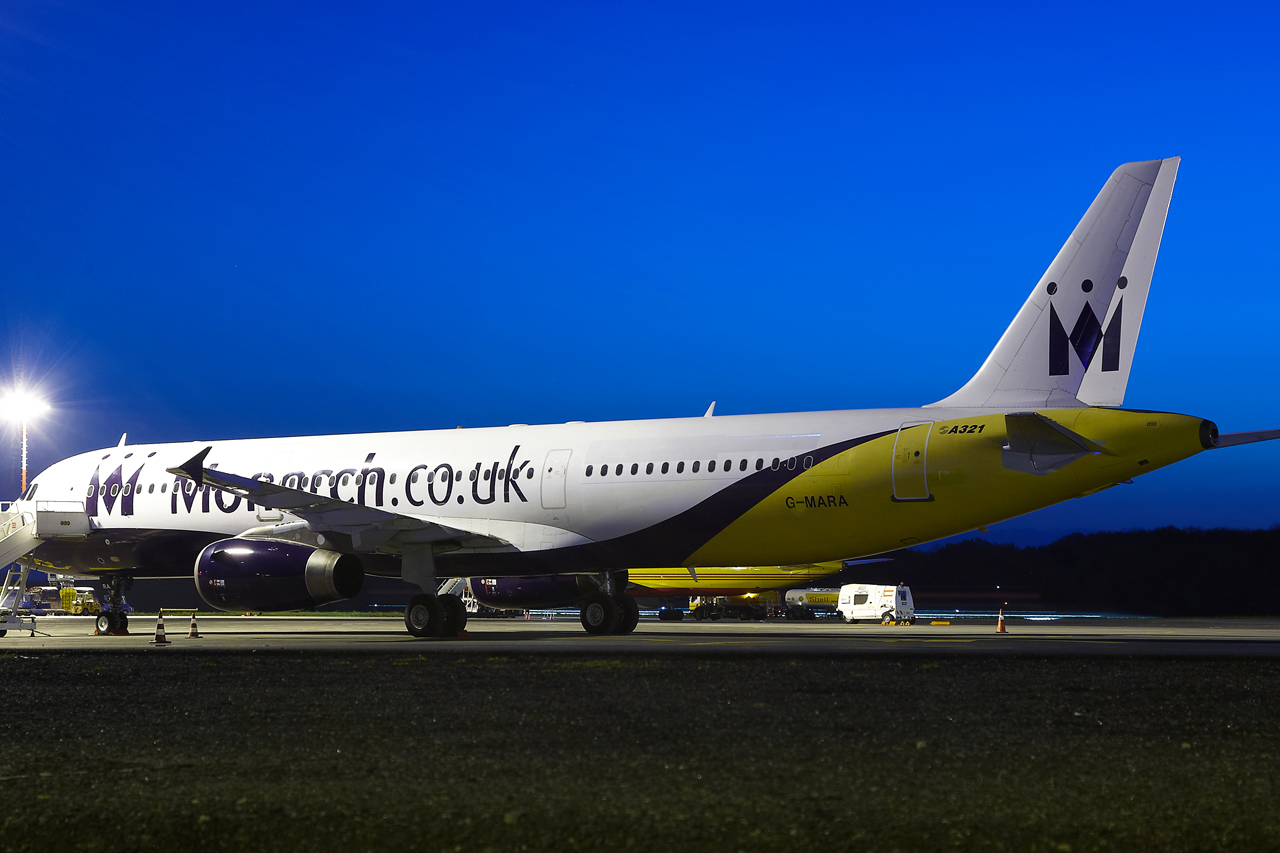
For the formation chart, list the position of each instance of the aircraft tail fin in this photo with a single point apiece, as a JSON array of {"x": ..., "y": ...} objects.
[{"x": 1072, "y": 342}]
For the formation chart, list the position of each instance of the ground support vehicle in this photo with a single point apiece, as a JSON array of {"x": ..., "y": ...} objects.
[
  {"x": 752, "y": 606},
  {"x": 888, "y": 604},
  {"x": 806, "y": 604}
]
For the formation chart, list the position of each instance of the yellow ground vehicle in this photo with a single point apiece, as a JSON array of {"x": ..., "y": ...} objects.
[{"x": 79, "y": 600}]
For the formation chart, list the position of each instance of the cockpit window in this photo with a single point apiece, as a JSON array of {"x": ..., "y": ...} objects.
[{"x": 31, "y": 493}]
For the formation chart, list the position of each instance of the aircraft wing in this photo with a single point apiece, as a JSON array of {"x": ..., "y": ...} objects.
[{"x": 322, "y": 513}]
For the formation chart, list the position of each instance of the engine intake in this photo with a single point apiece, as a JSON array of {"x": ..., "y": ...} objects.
[{"x": 268, "y": 574}]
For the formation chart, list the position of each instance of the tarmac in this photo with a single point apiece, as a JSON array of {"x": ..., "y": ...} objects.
[
  {"x": 322, "y": 733},
  {"x": 372, "y": 634}
]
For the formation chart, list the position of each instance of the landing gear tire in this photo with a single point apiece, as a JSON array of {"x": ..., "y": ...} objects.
[
  {"x": 600, "y": 614},
  {"x": 122, "y": 621},
  {"x": 628, "y": 614},
  {"x": 455, "y": 614},
  {"x": 103, "y": 623},
  {"x": 424, "y": 616}
]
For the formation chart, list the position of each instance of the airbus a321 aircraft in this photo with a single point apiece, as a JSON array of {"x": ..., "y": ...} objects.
[{"x": 286, "y": 523}]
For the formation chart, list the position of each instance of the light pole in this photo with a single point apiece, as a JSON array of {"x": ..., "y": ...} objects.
[{"x": 23, "y": 406}]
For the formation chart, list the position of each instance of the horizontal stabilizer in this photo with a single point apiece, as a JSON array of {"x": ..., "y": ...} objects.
[
  {"x": 1039, "y": 445},
  {"x": 1232, "y": 439}
]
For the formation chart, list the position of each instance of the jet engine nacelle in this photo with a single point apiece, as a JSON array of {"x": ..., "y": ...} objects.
[
  {"x": 266, "y": 574},
  {"x": 535, "y": 593}
]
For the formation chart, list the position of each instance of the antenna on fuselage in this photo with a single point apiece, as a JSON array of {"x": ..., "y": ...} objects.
[{"x": 710, "y": 409}]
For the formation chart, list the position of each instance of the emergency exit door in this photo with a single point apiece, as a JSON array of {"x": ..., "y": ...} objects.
[
  {"x": 910, "y": 462},
  {"x": 555, "y": 470}
]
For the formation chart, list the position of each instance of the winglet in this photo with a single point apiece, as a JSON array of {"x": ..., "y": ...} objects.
[
  {"x": 710, "y": 409},
  {"x": 123, "y": 437},
  {"x": 193, "y": 468}
]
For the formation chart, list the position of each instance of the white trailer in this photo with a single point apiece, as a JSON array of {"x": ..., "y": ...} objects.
[{"x": 876, "y": 603}]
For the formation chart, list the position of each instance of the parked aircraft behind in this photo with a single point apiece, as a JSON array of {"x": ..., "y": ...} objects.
[{"x": 283, "y": 523}]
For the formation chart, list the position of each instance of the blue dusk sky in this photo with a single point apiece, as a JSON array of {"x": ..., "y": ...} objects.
[{"x": 245, "y": 219}]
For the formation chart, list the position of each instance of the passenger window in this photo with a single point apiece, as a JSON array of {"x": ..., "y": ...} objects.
[
  {"x": 648, "y": 469},
  {"x": 372, "y": 479},
  {"x": 759, "y": 464},
  {"x": 775, "y": 463},
  {"x": 392, "y": 481},
  {"x": 125, "y": 490},
  {"x": 588, "y": 470},
  {"x": 346, "y": 478},
  {"x": 666, "y": 466},
  {"x": 89, "y": 494},
  {"x": 333, "y": 481},
  {"x": 679, "y": 467},
  {"x": 102, "y": 491},
  {"x": 742, "y": 466},
  {"x": 359, "y": 479},
  {"x": 413, "y": 478},
  {"x": 431, "y": 476},
  {"x": 695, "y": 467},
  {"x": 472, "y": 475},
  {"x": 859, "y": 598},
  {"x": 618, "y": 471},
  {"x": 635, "y": 468},
  {"x": 711, "y": 466},
  {"x": 530, "y": 475},
  {"x": 163, "y": 486},
  {"x": 604, "y": 470},
  {"x": 151, "y": 489}
]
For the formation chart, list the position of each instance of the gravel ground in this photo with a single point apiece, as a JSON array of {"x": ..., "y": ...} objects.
[{"x": 303, "y": 751}]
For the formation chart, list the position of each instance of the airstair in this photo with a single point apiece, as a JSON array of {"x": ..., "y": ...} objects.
[{"x": 23, "y": 527}]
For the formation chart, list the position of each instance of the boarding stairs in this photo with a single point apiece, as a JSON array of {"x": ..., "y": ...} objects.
[{"x": 24, "y": 525}]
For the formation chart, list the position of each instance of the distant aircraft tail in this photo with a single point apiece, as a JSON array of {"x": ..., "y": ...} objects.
[{"x": 1072, "y": 343}]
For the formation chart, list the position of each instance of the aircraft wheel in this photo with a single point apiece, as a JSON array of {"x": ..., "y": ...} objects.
[
  {"x": 600, "y": 614},
  {"x": 122, "y": 622},
  {"x": 424, "y": 616},
  {"x": 103, "y": 623},
  {"x": 455, "y": 614},
  {"x": 628, "y": 614}
]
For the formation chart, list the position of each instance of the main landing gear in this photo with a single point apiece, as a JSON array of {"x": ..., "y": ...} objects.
[
  {"x": 610, "y": 614},
  {"x": 435, "y": 615},
  {"x": 113, "y": 619}
]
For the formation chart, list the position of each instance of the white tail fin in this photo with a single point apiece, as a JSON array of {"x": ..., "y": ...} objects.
[{"x": 1072, "y": 343}]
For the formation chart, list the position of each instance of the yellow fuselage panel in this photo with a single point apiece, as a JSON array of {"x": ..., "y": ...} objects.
[{"x": 937, "y": 479}]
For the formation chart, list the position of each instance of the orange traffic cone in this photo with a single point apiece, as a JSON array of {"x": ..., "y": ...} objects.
[
  {"x": 159, "y": 640},
  {"x": 194, "y": 634},
  {"x": 1000, "y": 629}
]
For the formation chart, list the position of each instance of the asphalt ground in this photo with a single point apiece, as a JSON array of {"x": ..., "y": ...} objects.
[
  {"x": 1252, "y": 637},
  {"x": 261, "y": 737}
]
